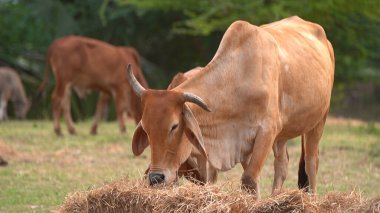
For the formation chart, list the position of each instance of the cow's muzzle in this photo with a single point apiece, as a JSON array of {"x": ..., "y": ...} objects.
[{"x": 156, "y": 178}]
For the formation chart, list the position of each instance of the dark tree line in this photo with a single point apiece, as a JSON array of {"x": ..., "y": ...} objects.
[{"x": 175, "y": 36}]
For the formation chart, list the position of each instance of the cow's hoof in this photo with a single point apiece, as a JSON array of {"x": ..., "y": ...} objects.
[
  {"x": 94, "y": 130},
  {"x": 123, "y": 130},
  {"x": 72, "y": 132},
  {"x": 250, "y": 186},
  {"x": 3, "y": 162},
  {"x": 58, "y": 132}
]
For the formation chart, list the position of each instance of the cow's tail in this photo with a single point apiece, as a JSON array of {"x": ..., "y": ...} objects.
[
  {"x": 45, "y": 79},
  {"x": 303, "y": 181}
]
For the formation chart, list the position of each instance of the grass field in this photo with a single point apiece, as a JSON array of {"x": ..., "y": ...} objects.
[{"x": 44, "y": 168}]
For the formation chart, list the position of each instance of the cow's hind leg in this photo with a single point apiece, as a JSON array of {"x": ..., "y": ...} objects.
[
  {"x": 100, "y": 108},
  {"x": 57, "y": 97},
  {"x": 311, "y": 157},
  {"x": 303, "y": 180},
  {"x": 280, "y": 165},
  {"x": 67, "y": 110}
]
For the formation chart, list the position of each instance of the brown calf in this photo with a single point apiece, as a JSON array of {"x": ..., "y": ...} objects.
[{"x": 87, "y": 64}]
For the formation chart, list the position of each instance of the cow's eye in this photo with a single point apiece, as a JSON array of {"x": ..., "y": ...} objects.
[{"x": 174, "y": 127}]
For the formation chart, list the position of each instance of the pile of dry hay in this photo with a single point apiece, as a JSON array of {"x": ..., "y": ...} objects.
[{"x": 136, "y": 196}]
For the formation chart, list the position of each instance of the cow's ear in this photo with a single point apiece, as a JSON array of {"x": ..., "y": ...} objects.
[
  {"x": 192, "y": 130},
  {"x": 139, "y": 140}
]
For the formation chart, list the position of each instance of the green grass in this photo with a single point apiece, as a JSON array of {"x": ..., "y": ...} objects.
[{"x": 43, "y": 169}]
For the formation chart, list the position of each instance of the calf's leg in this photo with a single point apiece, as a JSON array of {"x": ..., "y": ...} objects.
[
  {"x": 120, "y": 110},
  {"x": 67, "y": 110},
  {"x": 100, "y": 108},
  {"x": 57, "y": 97}
]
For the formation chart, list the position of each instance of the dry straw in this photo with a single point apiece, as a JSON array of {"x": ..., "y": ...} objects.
[{"x": 136, "y": 196}]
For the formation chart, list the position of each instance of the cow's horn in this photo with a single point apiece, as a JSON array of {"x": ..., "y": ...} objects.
[
  {"x": 133, "y": 82},
  {"x": 196, "y": 100}
]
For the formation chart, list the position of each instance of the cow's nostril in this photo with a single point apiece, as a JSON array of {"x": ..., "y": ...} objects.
[{"x": 156, "y": 178}]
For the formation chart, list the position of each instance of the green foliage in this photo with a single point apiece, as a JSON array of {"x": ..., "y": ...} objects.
[
  {"x": 352, "y": 26},
  {"x": 174, "y": 36}
]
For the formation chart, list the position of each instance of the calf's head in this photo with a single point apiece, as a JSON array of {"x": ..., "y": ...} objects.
[{"x": 170, "y": 129}]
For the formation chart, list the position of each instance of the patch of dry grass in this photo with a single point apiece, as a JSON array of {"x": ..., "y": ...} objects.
[{"x": 136, "y": 196}]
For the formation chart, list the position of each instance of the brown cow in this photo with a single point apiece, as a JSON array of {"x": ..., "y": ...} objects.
[
  {"x": 265, "y": 85},
  {"x": 11, "y": 89},
  {"x": 88, "y": 64}
]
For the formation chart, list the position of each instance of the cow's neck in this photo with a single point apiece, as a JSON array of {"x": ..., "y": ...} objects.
[{"x": 217, "y": 85}]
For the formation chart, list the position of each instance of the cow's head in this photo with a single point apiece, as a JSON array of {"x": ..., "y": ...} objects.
[
  {"x": 169, "y": 127},
  {"x": 21, "y": 107}
]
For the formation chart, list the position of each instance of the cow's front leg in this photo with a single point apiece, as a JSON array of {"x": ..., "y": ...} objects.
[
  {"x": 212, "y": 174},
  {"x": 208, "y": 173},
  {"x": 66, "y": 106},
  {"x": 251, "y": 176},
  {"x": 189, "y": 169},
  {"x": 281, "y": 160}
]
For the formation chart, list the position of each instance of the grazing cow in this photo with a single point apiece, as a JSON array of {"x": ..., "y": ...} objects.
[
  {"x": 264, "y": 86},
  {"x": 88, "y": 64},
  {"x": 188, "y": 169},
  {"x": 11, "y": 89}
]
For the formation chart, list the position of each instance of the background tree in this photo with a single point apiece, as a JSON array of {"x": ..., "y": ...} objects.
[{"x": 174, "y": 36}]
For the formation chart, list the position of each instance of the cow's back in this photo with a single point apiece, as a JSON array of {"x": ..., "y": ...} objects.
[
  {"x": 306, "y": 72},
  {"x": 86, "y": 62}
]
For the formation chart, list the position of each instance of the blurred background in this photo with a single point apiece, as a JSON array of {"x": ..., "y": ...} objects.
[{"x": 173, "y": 36}]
